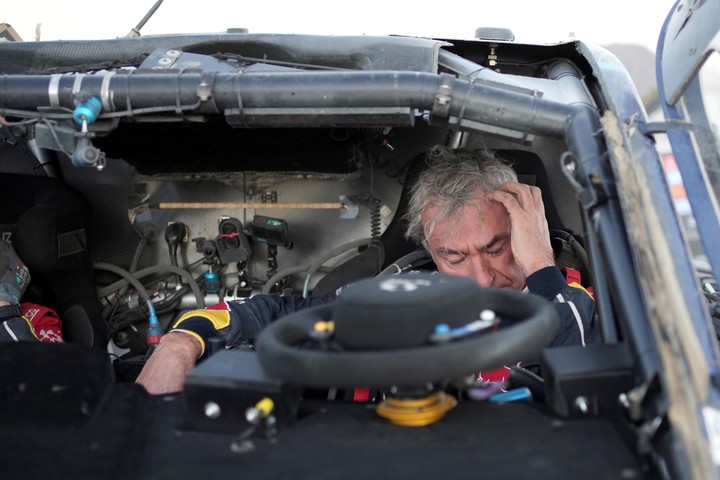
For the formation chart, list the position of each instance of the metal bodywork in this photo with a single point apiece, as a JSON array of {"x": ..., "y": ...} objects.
[{"x": 322, "y": 132}]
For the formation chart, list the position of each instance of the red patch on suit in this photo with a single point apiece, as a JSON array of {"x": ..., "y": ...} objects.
[{"x": 45, "y": 322}]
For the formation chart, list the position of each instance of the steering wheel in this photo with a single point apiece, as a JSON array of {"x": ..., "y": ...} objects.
[{"x": 383, "y": 328}]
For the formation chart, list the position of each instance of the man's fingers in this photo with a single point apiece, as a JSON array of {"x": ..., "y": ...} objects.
[
  {"x": 524, "y": 196},
  {"x": 506, "y": 198},
  {"x": 512, "y": 200},
  {"x": 529, "y": 231},
  {"x": 537, "y": 197}
]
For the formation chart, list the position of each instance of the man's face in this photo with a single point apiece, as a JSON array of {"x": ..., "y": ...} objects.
[{"x": 476, "y": 244}]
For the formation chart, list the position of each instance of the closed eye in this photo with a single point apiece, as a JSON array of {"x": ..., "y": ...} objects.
[
  {"x": 497, "y": 252},
  {"x": 455, "y": 260},
  {"x": 452, "y": 257},
  {"x": 497, "y": 246}
]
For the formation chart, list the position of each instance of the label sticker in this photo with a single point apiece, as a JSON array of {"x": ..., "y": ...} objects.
[
  {"x": 403, "y": 284},
  {"x": 712, "y": 424}
]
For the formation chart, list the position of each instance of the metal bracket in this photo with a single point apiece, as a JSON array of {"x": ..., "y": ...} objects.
[
  {"x": 588, "y": 196},
  {"x": 350, "y": 210},
  {"x": 650, "y": 128},
  {"x": 633, "y": 399},
  {"x": 440, "y": 112}
]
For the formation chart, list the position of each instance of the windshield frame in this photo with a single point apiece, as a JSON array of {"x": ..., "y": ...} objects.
[{"x": 687, "y": 30}]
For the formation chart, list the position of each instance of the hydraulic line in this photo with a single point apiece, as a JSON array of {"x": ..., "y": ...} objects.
[
  {"x": 129, "y": 317},
  {"x": 154, "y": 331},
  {"x": 149, "y": 234},
  {"x": 105, "y": 291},
  {"x": 138, "y": 255},
  {"x": 129, "y": 277},
  {"x": 282, "y": 274},
  {"x": 315, "y": 266}
]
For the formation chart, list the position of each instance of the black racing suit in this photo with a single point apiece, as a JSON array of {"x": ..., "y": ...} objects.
[{"x": 241, "y": 321}]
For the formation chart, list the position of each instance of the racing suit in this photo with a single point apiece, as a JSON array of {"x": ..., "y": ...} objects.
[
  {"x": 33, "y": 322},
  {"x": 241, "y": 321}
]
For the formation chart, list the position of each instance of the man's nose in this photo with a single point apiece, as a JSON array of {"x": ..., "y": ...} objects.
[{"x": 482, "y": 272}]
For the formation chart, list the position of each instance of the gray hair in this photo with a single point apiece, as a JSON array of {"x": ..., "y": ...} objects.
[{"x": 452, "y": 178}]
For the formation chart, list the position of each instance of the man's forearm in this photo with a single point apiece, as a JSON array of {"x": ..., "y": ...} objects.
[{"x": 173, "y": 358}]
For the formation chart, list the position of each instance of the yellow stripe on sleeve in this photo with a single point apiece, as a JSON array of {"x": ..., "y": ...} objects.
[
  {"x": 219, "y": 318},
  {"x": 577, "y": 285}
]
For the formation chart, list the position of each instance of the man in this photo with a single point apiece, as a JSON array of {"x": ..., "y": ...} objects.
[{"x": 472, "y": 216}]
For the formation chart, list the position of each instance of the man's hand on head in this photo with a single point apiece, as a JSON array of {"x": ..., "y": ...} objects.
[
  {"x": 167, "y": 367},
  {"x": 529, "y": 234}
]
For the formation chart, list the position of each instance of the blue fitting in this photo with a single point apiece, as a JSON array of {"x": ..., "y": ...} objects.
[
  {"x": 89, "y": 110},
  {"x": 522, "y": 393},
  {"x": 212, "y": 282},
  {"x": 154, "y": 332},
  {"x": 442, "y": 328}
]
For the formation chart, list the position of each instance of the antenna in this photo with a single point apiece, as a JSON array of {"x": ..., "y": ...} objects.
[{"x": 135, "y": 32}]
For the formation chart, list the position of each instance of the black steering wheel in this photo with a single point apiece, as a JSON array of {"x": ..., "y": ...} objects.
[{"x": 384, "y": 325}]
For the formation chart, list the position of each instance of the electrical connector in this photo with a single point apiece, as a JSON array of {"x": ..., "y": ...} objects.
[{"x": 154, "y": 332}]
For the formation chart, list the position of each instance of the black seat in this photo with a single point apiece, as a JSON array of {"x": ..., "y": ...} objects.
[
  {"x": 387, "y": 248},
  {"x": 46, "y": 220}
]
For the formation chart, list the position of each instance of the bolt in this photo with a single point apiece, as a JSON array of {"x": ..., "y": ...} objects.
[
  {"x": 487, "y": 315},
  {"x": 581, "y": 403},
  {"x": 212, "y": 410}
]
